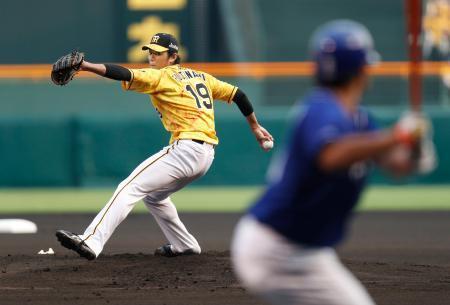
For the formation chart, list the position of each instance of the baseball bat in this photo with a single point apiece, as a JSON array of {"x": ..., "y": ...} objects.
[{"x": 414, "y": 26}]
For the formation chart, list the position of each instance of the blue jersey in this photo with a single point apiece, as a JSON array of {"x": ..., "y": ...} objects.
[{"x": 303, "y": 203}]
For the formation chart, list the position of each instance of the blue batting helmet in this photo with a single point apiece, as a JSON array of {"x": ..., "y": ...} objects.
[{"x": 340, "y": 49}]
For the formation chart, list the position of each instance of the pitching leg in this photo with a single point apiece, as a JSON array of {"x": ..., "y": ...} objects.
[{"x": 166, "y": 216}]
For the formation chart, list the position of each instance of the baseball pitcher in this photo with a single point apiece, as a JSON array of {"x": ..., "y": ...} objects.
[{"x": 184, "y": 100}]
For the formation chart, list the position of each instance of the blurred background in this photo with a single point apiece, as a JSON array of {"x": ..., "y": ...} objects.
[{"x": 92, "y": 134}]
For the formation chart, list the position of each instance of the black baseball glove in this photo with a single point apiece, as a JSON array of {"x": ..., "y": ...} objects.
[{"x": 65, "y": 68}]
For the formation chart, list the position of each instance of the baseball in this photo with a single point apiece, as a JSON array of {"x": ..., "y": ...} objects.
[{"x": 267, "y": 145}]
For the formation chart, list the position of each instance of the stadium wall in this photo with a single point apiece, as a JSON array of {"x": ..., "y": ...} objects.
[
  {"x": 114, "y": 31},
  {"x": 99, "y": 150}
]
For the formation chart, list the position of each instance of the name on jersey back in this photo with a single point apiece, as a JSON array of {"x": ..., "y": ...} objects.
[{"x": 187, "y": 74}]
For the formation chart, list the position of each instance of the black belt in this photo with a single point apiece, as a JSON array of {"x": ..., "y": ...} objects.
[
  {"x": 198, "y": 141},
  {"x": 202, "y": 142}
]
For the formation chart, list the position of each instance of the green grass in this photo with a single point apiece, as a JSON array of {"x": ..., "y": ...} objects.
[
  {"x": 414, "y": 197},
  {"x": 211, "y": 199},
  {"x": 226, "y": 199}
]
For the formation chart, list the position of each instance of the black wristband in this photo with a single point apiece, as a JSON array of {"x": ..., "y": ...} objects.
[
  {"x": 117, "y": 72},
  {"x": 243, "y": 103}
]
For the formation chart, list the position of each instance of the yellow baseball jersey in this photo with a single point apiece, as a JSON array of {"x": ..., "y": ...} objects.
[{"x": 183, "y": 99}]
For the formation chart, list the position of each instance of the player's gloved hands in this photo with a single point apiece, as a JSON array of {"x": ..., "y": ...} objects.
[
  {"x": 263, "y": 137},
  {"x": 410, "y": 128},
  {"x": 65, "y": 68},
  {"x": 415, "y": 131}
]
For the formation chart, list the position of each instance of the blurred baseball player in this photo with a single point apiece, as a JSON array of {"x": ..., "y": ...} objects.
[
  {"x": 183, "y": 98},
  {"x": 283, "y": 249}
]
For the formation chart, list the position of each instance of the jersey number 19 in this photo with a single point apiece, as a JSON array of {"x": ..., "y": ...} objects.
[{"x": 200, "y": 92}]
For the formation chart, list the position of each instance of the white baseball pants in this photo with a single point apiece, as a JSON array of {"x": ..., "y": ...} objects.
[
  {"x": 153, "y": 181},
  {"x": 284, "y": 273}
]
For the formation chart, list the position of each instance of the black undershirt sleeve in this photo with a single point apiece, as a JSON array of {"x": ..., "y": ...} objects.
[
  {"x": 117, "y": 72},
  {"x": 243, "y": 103}
]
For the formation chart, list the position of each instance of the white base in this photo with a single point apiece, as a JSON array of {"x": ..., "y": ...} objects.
[{"x": 17, "y": 226}]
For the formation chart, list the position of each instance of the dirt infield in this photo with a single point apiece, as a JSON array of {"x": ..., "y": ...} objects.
[{"x": 402, "y": 258}]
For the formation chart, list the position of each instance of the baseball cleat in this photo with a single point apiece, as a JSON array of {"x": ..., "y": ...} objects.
[
  {"x": 73, "y": 242},
  {"x": 166, "y": 251}
]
